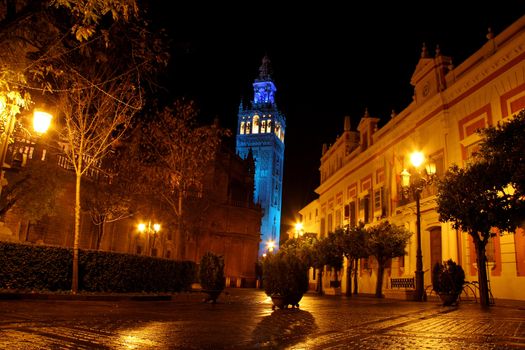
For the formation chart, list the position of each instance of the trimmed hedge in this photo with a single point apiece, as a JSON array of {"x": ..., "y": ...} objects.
[{"x": 30, "y": 267}]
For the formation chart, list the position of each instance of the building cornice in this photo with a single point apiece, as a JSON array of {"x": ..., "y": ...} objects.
[
  {"x": 404, "y": 124},
  {"x": 485, "y": 72}
]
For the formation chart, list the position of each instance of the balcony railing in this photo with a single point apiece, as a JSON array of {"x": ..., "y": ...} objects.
[
  {"x": 428, "y": 191},
  {"x": 92, "y": 172}
]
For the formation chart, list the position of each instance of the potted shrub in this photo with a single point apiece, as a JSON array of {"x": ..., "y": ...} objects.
[
  {"x": 447, "y": 280},
  {"x": 211, "y": 275},
  {"x": 285, "y": 279}
]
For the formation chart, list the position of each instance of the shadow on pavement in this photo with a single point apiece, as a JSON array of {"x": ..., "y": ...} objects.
[{"x": 284, "y": 327}]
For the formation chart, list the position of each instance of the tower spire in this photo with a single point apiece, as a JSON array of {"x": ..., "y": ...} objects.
[
  {"x": 265, "y": 70},
  {"x": 263, "y": 87}
]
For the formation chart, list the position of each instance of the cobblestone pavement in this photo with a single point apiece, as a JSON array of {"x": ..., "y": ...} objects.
[{"x": 243, "y": 319}]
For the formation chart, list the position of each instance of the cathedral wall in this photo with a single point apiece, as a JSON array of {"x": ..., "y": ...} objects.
[{"x": 232, "y": 219}]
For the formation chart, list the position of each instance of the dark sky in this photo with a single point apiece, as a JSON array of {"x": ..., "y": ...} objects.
[{"x": 328, "y": 61}]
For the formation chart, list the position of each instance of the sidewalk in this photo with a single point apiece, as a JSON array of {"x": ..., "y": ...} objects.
[
  {"x": 196, "y": 295},
  {"x": 243, "y": 319},
  {"x": 193, "y": 295}
]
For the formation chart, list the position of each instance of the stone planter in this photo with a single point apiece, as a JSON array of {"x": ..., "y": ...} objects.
[
  {"x": 282, "y": 302},
  {"x": 294, "y": 299},
  {"x": 279, "y": 301},
  {"x": 448, "y": 298},
  {"x": 212, "y": 295}
]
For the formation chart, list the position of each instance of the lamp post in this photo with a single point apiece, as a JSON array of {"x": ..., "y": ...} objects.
[
  {"x": 149, "y": 229},
  {"x": 41, "y": 122},
  {"x": 415, "y": 183},
  {"x": 270, "y": 246},
  {"x": 299, "y": 229}
]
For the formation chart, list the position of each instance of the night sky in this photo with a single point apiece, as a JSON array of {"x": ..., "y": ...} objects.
[{"x": 327, "y": 62}]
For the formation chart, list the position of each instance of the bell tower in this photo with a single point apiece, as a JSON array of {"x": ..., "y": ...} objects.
[{"x": 261, "y": 129}]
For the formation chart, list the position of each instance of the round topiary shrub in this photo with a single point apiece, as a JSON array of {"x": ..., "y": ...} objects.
[{"x": 211, "y": 272}]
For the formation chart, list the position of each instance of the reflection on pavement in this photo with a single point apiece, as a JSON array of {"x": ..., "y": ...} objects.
[{"x": 284, "y": 327}]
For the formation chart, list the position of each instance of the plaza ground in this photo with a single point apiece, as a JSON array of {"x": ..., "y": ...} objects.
[{"x": 243, "y": 319}]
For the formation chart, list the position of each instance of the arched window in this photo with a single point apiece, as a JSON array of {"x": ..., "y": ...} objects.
[
  {"x": 269, "y": 126},
  {"x": 242, "y": 128},
  {"x": 248, "y": 127},
  {"x": 255, "y": 129},
  {"x": 263, "y": 126},
  {"x": 436, "y": 254}
]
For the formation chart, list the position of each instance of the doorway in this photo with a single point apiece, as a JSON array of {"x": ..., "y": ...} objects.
[{"x": 435, "y": 246}]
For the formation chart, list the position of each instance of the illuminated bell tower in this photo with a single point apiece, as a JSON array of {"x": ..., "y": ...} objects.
[{"x": 260, "y": 129}]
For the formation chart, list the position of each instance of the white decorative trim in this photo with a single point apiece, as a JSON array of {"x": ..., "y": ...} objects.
[{"x": 480, "y": 71}]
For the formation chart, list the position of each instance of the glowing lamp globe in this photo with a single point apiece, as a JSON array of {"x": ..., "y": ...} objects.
[{"x": 41, "y": 121}]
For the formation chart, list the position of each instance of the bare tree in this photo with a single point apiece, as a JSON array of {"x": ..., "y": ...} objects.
[
  {"x": 95, "y": 117},
  {"x": 106, "y": 200},
  {"x": 181, "y": 155},
  {"x": 93, "y": 57},
  {"x": 33, "y": 33}
]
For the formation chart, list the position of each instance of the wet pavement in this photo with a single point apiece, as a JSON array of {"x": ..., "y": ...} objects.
[{"x": 243, "y": 319}]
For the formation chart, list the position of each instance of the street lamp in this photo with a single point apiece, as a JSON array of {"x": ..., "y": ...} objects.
[
  {"x": 270, "y": 245},
  {"x": 149, "y": 229},
  {"x": 299, "y": 229},
  {"x": 415, "y": 183},
  {"x": 41, "y": 122}
]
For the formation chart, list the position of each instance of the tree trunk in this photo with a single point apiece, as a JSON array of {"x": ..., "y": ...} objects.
[
  {"x": 6, "y": 207},
  {"x": 380, "y": 272},
  {"x": 153, "y": 244},
  {"x": 74, "y": 279},
  {"x": 28, "y": 227},
  {"x": 356, "y": 264},
  {"x": 179, "y": 237},
  {"x": 349, "y": 263},
  {"x": 320, "y": 281},
  {"x": 100, "y": 234},
  {"x": 482, "y": 272}
]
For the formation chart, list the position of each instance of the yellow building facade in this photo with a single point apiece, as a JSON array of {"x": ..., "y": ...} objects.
[{"x": 360, "y": 171}]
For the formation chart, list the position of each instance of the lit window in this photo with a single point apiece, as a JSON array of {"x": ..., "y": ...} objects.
[
  {"x": 338, "y": 219},
  {"x": 255, "y": 129}
]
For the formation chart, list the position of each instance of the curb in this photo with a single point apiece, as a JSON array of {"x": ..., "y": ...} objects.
[{"x": 80, "y": 297}]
